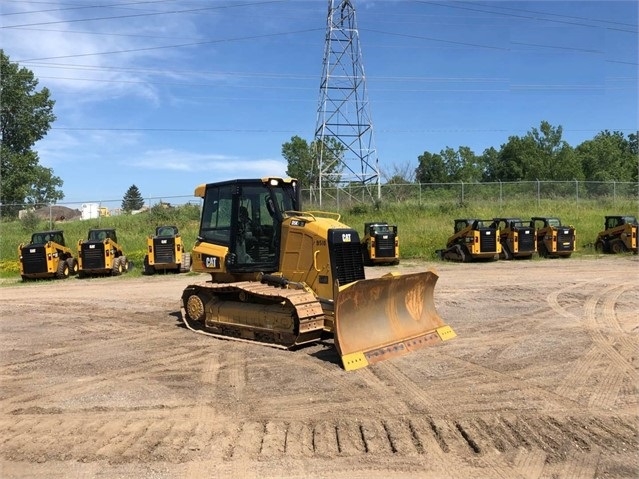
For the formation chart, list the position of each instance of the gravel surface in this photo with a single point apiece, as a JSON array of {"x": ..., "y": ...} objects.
[{"x": 100, "y": 379}]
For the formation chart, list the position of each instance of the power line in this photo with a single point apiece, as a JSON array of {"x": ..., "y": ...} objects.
[
  {"x": 78, "y": 7},
  {"x": 137, "y": 15},
  {"x": 527, "y": 17},
  {"x": 501, "y": 7},
  {"x": 164, "y": 47}
]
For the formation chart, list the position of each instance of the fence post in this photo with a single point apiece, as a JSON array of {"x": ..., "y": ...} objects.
[
  {"x": 614, "y": 191},
  {"x": 462, "y": 192},
  {"x": 577, "y": 189},
  {"x": 501, "y": 193},
  {"x": 538, "y": 193}
]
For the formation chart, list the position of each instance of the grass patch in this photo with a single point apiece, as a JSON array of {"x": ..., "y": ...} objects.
[{"x": 422, "y": 227}]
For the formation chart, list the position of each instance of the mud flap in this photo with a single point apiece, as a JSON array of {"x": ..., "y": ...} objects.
[{"x": 376, "y": 319}]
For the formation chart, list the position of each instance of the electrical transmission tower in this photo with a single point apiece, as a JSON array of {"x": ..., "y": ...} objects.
[{"x": 346, "y": 150}]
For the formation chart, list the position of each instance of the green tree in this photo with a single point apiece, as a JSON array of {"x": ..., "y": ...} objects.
[
  {"x": 132, "y": 199},
  {"x": 302, "y": 161},
  {"x": 609, "y": 156},
  {"x": 541, "y": 154},
  {"x": 489, "y": 161},
  {"x": 25, "y": 118},
  {"x": 462, "y": 164},
  {"x": 449, "y": 166},
  {"x": 431, "y": 168}
]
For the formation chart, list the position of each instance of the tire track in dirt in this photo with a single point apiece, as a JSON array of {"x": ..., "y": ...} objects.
[
  {"x": 573, "y": 384},
  {"x": 507, "y": 381},
  {"x": 608, "y": 389},
  {"x": 580, "y": 465},
  {"x": 599, "y": 316},
  {"x": 186, "y": 355},
  {"x": 221, "y": 371},
  {"x": 628, "y": 342},
  {"x": 594, "y": 327},
  {"x": 553, "y": 298},
  {"x": 164, "y": 436},
  {"x": 90, "y": 345},
  {"x": 530, "y": 463},
  {"x": 405, "y": 388}
]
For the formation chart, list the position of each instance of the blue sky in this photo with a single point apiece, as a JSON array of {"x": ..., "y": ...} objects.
[{"x": 170, "y": 94}]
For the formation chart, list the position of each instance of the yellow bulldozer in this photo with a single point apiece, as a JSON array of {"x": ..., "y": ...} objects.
[
  {"x": 619, "y": 235},
  {"x": 165, "y": 252},
  {"x": 283, "y": 277},
  {"x": 46, "y": 256}
]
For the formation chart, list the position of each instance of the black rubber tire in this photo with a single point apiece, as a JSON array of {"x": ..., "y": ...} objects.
[
  {"x": 116, "y": 270},
  {"x": 617, "y": 246},
  {"x": 124, "y": 263},
  {"x": 63, "y": 270},
  {"x": 543, "y": 251},
  {"x": 599, "y": 246},
  {"x": 148, "y": 269},
  {"x": 73, "y": 266}
]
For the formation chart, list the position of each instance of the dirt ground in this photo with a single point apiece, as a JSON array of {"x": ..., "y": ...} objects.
[{"x": 99, "y": 379}]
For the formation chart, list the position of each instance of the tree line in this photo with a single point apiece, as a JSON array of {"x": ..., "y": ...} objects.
[{"x": 541, "y": 154}]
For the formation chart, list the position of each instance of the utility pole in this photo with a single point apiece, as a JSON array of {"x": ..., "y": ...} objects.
[{"x": 346, "y": 150}]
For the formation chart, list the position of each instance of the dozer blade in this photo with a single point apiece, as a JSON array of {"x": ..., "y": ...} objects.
[{"x": 376, "y": 319}]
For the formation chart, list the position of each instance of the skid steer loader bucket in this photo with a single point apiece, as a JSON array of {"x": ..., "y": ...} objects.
[{"x": 376, "y": 319}]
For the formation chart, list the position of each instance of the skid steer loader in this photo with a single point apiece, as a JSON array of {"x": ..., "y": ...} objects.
[
  {"x": 165, "y": 252},
  {"x": 473, "y": 239},
  {"x": 283, "y": 278},
  {"x": 553, "y": 239},
  {"x": 517, "y": 238},
  {"x": 619, "y": 235},
  {"x": 46, "y": 256},
  {"x": 100, "y": 254},
  {"x": 380, "y": 244}
]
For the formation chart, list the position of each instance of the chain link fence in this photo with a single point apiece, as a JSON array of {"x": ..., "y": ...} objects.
[{"x": 345, "y": 197}]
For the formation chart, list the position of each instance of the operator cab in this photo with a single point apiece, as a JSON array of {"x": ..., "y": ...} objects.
[{"x": 246, "y": 216}]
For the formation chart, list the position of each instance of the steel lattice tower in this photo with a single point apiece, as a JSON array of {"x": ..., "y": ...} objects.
[{"x": 343, "y": 116}]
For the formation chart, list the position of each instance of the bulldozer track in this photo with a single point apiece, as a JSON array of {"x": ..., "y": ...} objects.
[{"x": 309, "y": 315}]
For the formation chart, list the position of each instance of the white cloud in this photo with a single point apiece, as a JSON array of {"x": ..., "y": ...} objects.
[{"x": 222, "y": 165}]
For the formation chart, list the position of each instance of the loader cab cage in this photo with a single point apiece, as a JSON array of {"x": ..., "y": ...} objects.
[
  {"x": 475, "y": 223},
  {"x": 101, "y": 235},
  {"x": 246, "y": 217},
  {"x": 46, "y": 236},
  {"x": 166, "y": 231},
  {"x": 379, "y": 228},
  {"x": 614, "y": 221},
  {"x": 503, "y": 223},
  {"x": 541, "y": 222}
]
